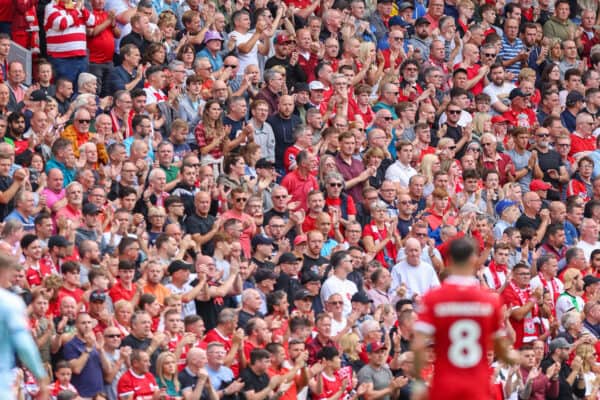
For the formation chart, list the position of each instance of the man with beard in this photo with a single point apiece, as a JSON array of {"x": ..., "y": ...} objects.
[
  {"x": 549, "y": 161},
  {"x": 283, "y": 123},
  {"x": 16, "y": 128},
  {"x": 89, "y": 255},
  {"x": 186, "y": 188},
  {"x": 498, "y": 89}
]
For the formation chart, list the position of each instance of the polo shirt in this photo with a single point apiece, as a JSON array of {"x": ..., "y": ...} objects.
[
  {"x": 90, "y": 380},
  {"x": 299, "y": 187},
  {"x": 219, "y": 378},
  {"x": 580, "y": 144},
  {"x": 511, "y": 50},
  {"x": 28, "y": 222}
]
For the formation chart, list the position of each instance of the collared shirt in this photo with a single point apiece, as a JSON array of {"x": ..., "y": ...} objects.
[{"x": 510, "y": 51}]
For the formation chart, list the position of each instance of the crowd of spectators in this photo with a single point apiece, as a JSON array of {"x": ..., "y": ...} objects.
[{"x": 226, "y": 200}]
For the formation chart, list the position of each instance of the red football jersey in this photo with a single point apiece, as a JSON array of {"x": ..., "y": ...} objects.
[
  {"x": 463, "y": 320},
  {"x": 142, "y": 387}
]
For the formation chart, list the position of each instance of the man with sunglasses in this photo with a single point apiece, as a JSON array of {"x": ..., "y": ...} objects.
[{"x": 79, "y": 133}]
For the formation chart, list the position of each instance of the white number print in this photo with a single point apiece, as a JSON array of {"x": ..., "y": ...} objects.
[{"x": 465, "y": 350}]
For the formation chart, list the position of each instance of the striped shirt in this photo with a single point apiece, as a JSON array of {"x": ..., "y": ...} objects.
[
  {"x": 65, "y": 30},
  {"x": 510, "y": 51}
]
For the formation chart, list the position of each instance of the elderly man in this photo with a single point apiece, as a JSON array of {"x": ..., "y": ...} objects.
[
  {"x": 72, "y": 211},
  {"x": 383, "y": 122},
  {"x": 23, "y": 212},
  {"x": 79, "y": 133},
  {"x": 589, "y": 237},
  {"x": 155, "y": 195},
  {"x": 418, "y": 276},
  {"x": 272, "y": 91}
]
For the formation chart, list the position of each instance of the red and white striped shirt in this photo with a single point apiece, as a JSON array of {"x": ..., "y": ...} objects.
[{"x": 65, "y": 30}]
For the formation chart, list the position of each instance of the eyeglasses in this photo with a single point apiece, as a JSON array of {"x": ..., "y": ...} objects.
[
  {"x": 490, "y": 55},
  {"x": 487, "y": 144},
  {"x": 542, "y": 135},
  {"x": 116, "y": 335},
  {"x": 280, "y": 197},
  {"x": 454, "y": 112},
  {"x": 397, "y": 38},
  {"x": 84, "y": 121},
  {"x": 563, "y": 145},
  {"x": 421, "y": 235},
  {"x": 336, "y": 303},
  {"x": 241, "y": 199},
  {"x": 452, "y": 148},
  {"x": 406, "y": 203},
  {"x": 335, "y": 184},
  {"x": 230, "y": 66}
]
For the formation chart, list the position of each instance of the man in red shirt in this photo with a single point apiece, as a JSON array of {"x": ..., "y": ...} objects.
[
  {"x": 101, "y": 43},
  {"x": 519, "y": 114},
  {"x": 232, "y": 339},
  {"x": 583, "y": 140},
  {"x": 300, "y": 181},
  {"x": 138, "y": 383},
  {"x": 463, "y": 320},
  {"x": 523, "y": 304}
]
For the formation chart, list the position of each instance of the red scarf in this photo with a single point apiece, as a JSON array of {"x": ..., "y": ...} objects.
[
  {"x": 494, "y": 269},
  {"x": 555, "y": 293},
  {"x": 524, "y": 295}
]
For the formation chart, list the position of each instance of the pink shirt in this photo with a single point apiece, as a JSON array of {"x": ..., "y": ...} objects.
[
  {"x": 247, "y": 233},
  {"x": 70, "y": 214},
  {"x": 52, "y": 197}
]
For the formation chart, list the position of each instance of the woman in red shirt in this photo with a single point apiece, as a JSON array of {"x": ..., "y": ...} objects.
[{"x": 380, "y": 236}]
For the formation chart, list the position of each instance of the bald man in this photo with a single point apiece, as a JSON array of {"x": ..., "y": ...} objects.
[{"x": 418, "y": 276}]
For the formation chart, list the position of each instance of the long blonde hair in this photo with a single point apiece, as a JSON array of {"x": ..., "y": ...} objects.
[
  {"x": 349, "y": 343},
  {"x": 160, "y": 361},
  {"x": 426, "y": 168}
]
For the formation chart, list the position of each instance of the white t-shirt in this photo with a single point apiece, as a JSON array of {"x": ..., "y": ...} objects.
[
  {"x": 498, "y": 93},
  {"x": 334, "y": 285},
  {"x": 418, "y": 280},
  {"x": 250, "y": 58},
  {"x": 489, "y": 278},
  {"x": 587, "y": 248}
]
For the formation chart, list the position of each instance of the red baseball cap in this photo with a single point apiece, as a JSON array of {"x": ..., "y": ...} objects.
[
  {"x": 283, "y": 37},
  {"x": 538, "y": 184},
  {"x": 498, "y": 119}
]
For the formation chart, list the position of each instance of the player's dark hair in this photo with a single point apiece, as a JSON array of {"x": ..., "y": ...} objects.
[{"x": 461, "y": 250}]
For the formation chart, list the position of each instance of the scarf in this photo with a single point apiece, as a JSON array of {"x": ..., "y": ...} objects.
[{"x": 494, "y": 270}]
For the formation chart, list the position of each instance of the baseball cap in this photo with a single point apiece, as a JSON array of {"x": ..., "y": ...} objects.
[
  {"x": 405, "y": 5},
  {"x": 287, "y": 258},
  {"x": 516, "y": 92},
  {"x": 90, "y": 209},
  {"x": 179, "y": 265},
  {"x": 559, "y": 343},
  {"x": 360, "y": 297},
  {"x": 212, "y": 35},
  {"x": 398, "y": 21},
  {"x": 300, "y": 239},
  {"x": 573, "y": 97},
  {"x": 97, "y": 296},
  {"x": 375, "y": 347},
  {"x": 590, "y": 280},
  {"x": 498, "y": 119},
  {"x": 283, "y": 37},
  {"x": 300, "y": 87},
  {"x": 263, "y": 274},
  {"x": 302, "y": 294},
  {"x": 538, "y": 184},
  {"x": 261, "y": 239},
  {"x": 264, "y": 163},
  {"x": 38, "y": 95},
  {"x": 58, "y": 241},
  {"x": 422, "y": 21},
  {"x": 316, "y": 85},
  {"x": 503, "y": 205},
  {"x": 310, "y": 276},
  {"x": 470, "y": 207}
]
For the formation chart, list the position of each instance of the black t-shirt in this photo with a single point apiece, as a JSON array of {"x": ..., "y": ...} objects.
[
  {"x": 263, "y": 264},
  {"x": 209, "y": 310},
  {"x": 547, "y": 161},
  {"x": 524, "y": 220},
  {"x": 5, "y": 209},
  {"x": 188, "y": 381},
  {"x": 313, "y": 264},
  {"x": 202, "y": 225},
  {"x": 253, "y": 381}
]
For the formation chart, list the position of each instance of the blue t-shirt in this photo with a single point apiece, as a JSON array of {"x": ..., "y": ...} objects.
[
  {"x": 90, "y": 381},
  {"x": 220, "y": 378}
]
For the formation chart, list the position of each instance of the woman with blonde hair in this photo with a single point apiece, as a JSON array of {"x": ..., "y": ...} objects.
[
  {"x": 122, "y": 316},
  {"x": 430, "y": 164},
  {"x": 350, "y": 344},
  {"x": 454, "y": 171},
  {"x": 587, "y": 353},
  {"x": 166, "y": 374},
  {"x": 446, "y": 148},
  {"x": 326, "y": 165},
  {"x": 482, "y": 123},
  {"x": 367, "y": 55},
  {"x": 373, "y": 158}
]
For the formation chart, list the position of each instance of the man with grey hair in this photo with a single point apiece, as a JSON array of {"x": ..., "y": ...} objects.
[
  {"x": 24, "y": 207},
  {"x": 272, "y": 90},
  {"x": 178, "y": 74},
  {"x": 155, "y": 194}
]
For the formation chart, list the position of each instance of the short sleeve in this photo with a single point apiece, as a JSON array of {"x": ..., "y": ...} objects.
[
  {"x": 125, "y": 386},
  {"x": 70, "y": 351}
]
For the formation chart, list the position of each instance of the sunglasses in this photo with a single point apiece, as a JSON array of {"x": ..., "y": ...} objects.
[
  {"x": 336, "y": 303},
  {"x": 333, "y": 184},
  {"x": 490, "y": 55},
  {"x": 84, "y": 121},
  {"x": 280, "y": 197},
  {"x": 474, "y": 149},
  {"x": 230, "y": 66},
  {"x": 241, "y": 199},
  {"x": 454, "y": 112},
  {"x": 542, "y": 135},
  {"x": 388, "y": 118},
  {"x": 112, "y": 336}
]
